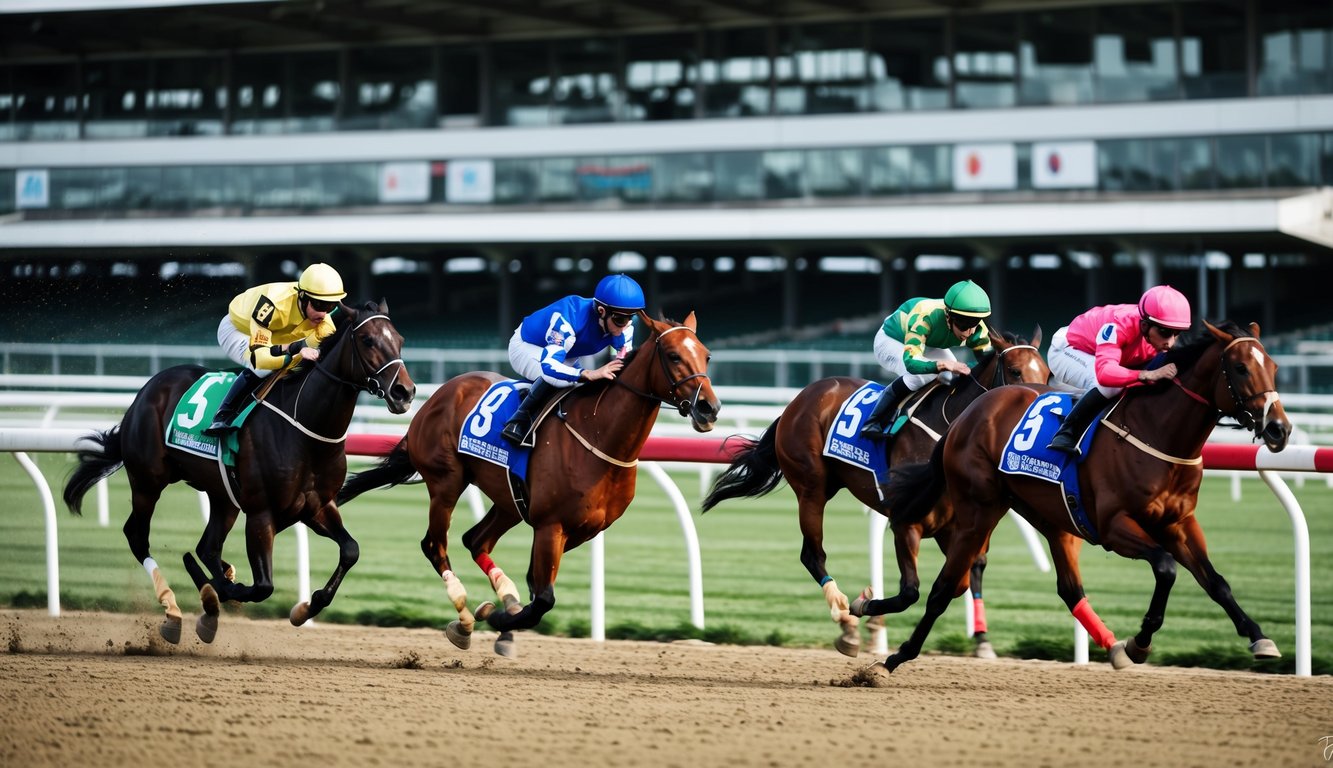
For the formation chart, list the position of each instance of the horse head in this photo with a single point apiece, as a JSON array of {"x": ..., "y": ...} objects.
[
  {"x": 1018, "y": 361},
  {"x": 681, "y": 377},
  {"x": 376, "y": 363},
  {"x": 1246, "y": 386}
]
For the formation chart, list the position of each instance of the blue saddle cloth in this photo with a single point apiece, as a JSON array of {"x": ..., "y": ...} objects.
[
  {"x": 1026, "y": 454},
  {"x": 844, "y": 442},
  {"x": 480, "y": 434}
]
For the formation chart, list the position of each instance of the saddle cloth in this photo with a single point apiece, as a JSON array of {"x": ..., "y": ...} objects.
[{"x": 1025, "y": 454}]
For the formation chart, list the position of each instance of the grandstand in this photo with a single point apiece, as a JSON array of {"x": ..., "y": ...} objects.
[{"x": 791, "y": 172}]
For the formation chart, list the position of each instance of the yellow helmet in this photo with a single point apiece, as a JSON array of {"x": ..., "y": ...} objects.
[{"x": 322, "y": 282}]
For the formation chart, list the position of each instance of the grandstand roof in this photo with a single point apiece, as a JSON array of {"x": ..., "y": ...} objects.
[{"x": 47, "y": 28}]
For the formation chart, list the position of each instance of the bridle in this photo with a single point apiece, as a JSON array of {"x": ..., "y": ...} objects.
[
  {"x": 683, "y": 407},
  {"x": 372, "y": 382},
  {"x": 997, "y": 380},
  {"x": 1244, "y": 415}
]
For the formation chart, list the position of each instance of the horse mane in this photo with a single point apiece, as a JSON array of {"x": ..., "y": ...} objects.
[
  {"x": 342, "y": 323},
  {"x": 1188, "y": 351},
  {"x": 593, "y": 387}
]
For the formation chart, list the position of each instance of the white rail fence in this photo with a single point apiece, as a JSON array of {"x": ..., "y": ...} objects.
[{"x": 49, "y": 421}]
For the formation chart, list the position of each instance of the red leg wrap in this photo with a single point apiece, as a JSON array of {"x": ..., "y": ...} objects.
[
  {"x": 978, "y": 615},
  {"x": 1091, "y": 622},
  {"x": 485, "y": 562}
]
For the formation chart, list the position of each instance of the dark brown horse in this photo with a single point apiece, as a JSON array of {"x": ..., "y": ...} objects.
[
  {"x": 290, "y": 465},
  {"x": 582, "y": 471},
  {"x": 1140, "y": 483},
  {"x": 792, "y": 448}
]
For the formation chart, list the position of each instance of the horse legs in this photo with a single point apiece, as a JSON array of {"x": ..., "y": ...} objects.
[
  {"x": 327, "y": 522},
  {"x": 1191, "y": 551},
  {"x": 445, "y": 488},
  {"x": 811, "y": 503},
  {"x": 143, "y": 499},
  {"x": 906, "y": 545},
  {"x": 1126, "y": 537},
  {"x": 982, "y": 649},
  {"x": 950, "y": 583},
  {"x": 213, "y": 590},
  {"x": 548, "y": 546},
  {"x": 1069, "y": 585}
]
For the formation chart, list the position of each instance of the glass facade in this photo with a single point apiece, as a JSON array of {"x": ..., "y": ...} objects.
[
  {"x": 1203, "y": 163},
  {"x": 1111, "y": 53}
]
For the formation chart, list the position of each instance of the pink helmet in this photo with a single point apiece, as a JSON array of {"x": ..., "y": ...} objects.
[{"x": 1165, "y": 306}]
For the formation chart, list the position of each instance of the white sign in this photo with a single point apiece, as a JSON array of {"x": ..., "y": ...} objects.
[
  {"x": 1064, "y": 165},
  {"x": 32, "y": 189},
  {"x": 984, "y": 166},
  {"x": 405, "y": 182},
  {"x": 469, "y": 181}
]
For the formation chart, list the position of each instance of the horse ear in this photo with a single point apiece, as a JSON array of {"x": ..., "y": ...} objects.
[
  {"x": 691, "y": 323},
  {"x": 384, "y": 306},
  {"x": 1036, "y": 336},
  {"x": 1254, "y": 330},
  {"x": 1217, "y": 332}
]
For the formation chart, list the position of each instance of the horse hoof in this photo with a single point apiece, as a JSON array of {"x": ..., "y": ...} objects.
[
  {"x": 504, "y": 645},
  {"x": 848, "y": 645},
  {"x": 460, "y": 637},
  {"x": 984, "y": 650},
  {"x": 1118, "y": 656},
  {"x": 170, "y": 630},
  {"x": 1136, "y": 654},
  {"x": 484, "y": 611},
  {"x": 1263, "y": 648},
  {"x": 300, "y": 614},
  {"x": 206, "y": 627},
  {"x": 208, "y": 597},
  {"x": 858, "y": 606}
]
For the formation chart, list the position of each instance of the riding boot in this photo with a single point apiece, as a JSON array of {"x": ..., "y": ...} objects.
[
  {"x": 876, "y": 427},
  {"x": 518, "y": 427},
  {"x": 244, "y": 384},
  {"x": 1067, "y": 438}
]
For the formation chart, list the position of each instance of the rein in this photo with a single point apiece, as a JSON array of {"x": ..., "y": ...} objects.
[
  {"x": 681, "y": 406},
  {"x": 997, "y": 380},
  {"x": 372, "y": 384},
  {"x": 1248, "y": 421}
]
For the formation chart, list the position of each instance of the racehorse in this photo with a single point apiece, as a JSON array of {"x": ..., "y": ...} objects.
[
  {"x": 289, "y": 466},
  {"x": 1140, "y": 483},
  {"x": 582, "y": 471},
  {"x": 792, "y": 448}
]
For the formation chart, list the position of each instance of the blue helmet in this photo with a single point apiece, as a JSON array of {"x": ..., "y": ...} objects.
[{"x": 620, "y": 292}]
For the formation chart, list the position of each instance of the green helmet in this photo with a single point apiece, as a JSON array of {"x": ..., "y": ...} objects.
[{"x": 967, "y": 298}]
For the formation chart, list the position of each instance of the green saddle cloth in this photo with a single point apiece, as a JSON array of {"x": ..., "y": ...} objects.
[{"x": 194, "y": 414}]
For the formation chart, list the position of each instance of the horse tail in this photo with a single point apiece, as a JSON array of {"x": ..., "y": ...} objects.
[
  {"x": 94, "y": 466},
  {"x": 754, "y": 472},
  {"x": 914, "y": 489},
  {"x": 392, "y": 470}
]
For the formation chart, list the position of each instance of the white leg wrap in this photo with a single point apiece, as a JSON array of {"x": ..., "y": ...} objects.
[
  {"x": 504, "y": 588},
  {"x": 454, "y": 587},
  {"x": 164, "y": 594},
  {"x": 837, "y": 601}
]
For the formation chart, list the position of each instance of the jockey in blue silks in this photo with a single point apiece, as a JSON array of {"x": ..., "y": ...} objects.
[{"x": 546, "y": 346}]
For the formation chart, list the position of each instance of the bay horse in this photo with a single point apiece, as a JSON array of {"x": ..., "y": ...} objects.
[
  {"x": 1140, "y": 482},
  {"x": 792, "y": 449},
  {"x": 290, "y": 464},
  {"x": 582, "y": 471}
]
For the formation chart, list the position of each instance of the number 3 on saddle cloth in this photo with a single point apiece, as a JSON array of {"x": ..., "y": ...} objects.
[
  {"x": 194, "y": 413},
  {"x": 1025, "y": 454},
  {"x": 844, "y": 442},
  {"x": 480, "y": 434}
]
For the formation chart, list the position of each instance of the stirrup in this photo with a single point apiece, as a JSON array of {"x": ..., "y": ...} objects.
[
  {"x": 219, "y": 427},
  {"x": 517, "y": 435},
  {"x": 1067, "y": 446}
]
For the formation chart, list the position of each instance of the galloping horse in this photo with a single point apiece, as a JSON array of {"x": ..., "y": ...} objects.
[
  {"x": 582, "y": 471},
  {"x": 1140, "y": 483},
  {"x": 289, "y": 466},
  {"x": 792, "y": 448}
]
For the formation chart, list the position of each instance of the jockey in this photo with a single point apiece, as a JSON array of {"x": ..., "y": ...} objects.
[
  {"x": 1106, "y": 349},
  {"x": 270, "y": 326},
  {"x": 914, "y": 342},
  {"x": 546, "y": 346}
]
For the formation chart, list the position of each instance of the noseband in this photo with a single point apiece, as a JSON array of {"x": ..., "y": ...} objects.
[
  {"x": 997, "y": 380},
  {"x": 683, "y": 407}
]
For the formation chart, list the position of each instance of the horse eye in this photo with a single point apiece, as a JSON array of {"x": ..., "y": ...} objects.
[{"x": 674, "y": 357}]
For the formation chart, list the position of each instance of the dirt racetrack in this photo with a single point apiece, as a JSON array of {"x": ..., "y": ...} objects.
[{"x": 102, "y": 689}]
